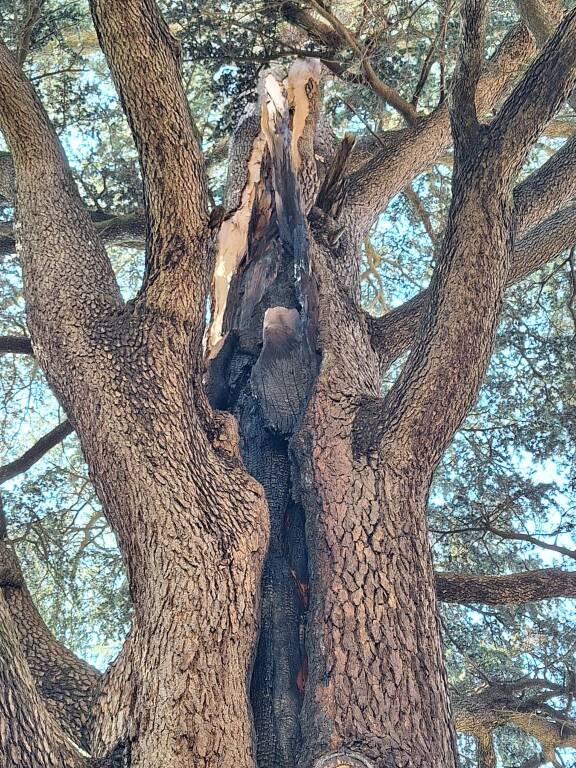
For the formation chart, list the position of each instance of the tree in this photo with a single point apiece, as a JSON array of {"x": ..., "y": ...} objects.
[{"x": 270, "y": 503}]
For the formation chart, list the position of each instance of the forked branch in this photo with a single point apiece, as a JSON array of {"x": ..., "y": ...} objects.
[
  {"x": 65, "y": 684},
  {"x": 443, "y": 373},
  {"x": 399, "y": 156},
  {"x": 25, "y": 721},
  {"x": 395, "y": 332}
]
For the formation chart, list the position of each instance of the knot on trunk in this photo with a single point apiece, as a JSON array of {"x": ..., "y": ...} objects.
[{"x": 343, "y": 759}]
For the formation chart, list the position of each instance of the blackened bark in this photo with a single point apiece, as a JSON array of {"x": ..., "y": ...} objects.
[{"x": 263, "y": 374}]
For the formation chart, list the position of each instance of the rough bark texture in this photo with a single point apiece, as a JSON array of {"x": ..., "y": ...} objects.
[
  {"x": 512, "y": 588},
  {"x": 129, "y": 378},
  {"x": 66, "y": 684},
  {"x": 28, "y": 734},
  {"x": 270, "y": 505}
]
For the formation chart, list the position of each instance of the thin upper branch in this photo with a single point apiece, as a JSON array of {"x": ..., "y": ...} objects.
[
  {"x": 399, "y": 156},
  {"x": 468, "y": 69},
  {"x": 544, "y": 88},
  {"x": 496, "y": 706},
  {"x": 36, "y": 452},
  {"x": 18, "y": 345},
  {"x": 534, "y": 540},
  {"x": 144, "y": 59},
  {"x": 511, "y": 588},
  {"x": 31, "y": 18},
  {"x": 542, "y": 193},
  {"x": 382, "y": 89},
  {"x": 541, "y": 17}
]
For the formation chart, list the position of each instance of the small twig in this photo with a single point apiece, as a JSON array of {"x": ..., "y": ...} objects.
[
  {"x": 418, "y": 207},
  {"x": 388, "y": 94},
  {"x": 363, "y": 121},
  {"x": 438, "y": 41}
]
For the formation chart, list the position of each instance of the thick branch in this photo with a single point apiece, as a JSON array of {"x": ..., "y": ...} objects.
[
  {"x": 495, "y": 706},
  {"x": 317, "y": 30},
  {"x": 511, "y": 588},
  {"x": 393, "y": 333},
  {"x": 36, "y": 452},
  {"x": 544, "y": 88},
  {"x": 66, "y": 684},
  {"x": 542, "y": 17},
  {"x": 29, "y": 736},
  {"x": 128, "y": 230},
  {"x": 69, "y": 281},
  {"x": 145, "y": 63},
  {"x": 547, "y": 189},
  {"x": 467, "y": 74}
]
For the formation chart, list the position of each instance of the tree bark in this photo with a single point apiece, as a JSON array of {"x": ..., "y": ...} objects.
[
  {"x": 66, "y": 685},
  {"x": 282, "y": 472},
  {"x": 28, "y": 734},
  {"x": 511, "y": 588},
  {"x": 192, "y": 524}
]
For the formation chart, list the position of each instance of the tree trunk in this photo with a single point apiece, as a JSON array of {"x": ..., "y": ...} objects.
[{"x": 319, "y": 601}]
